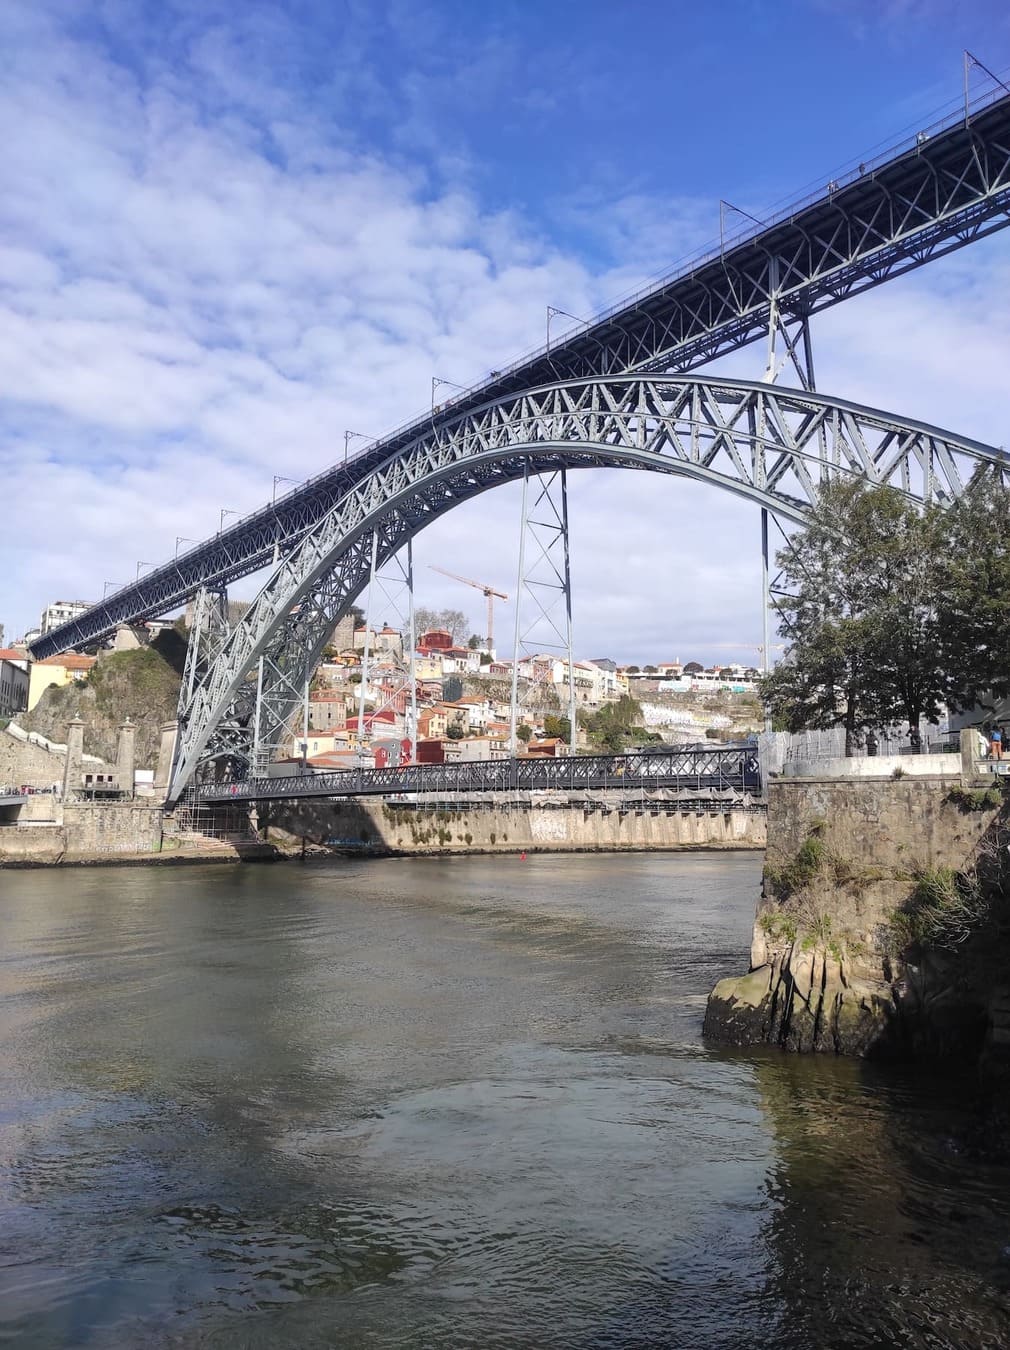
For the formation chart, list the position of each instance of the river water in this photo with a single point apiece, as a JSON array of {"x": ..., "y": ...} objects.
[{"x": 455, "y": 1103}]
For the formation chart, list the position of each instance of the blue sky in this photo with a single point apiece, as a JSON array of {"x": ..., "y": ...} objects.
[{"x": 231, "y": 232}]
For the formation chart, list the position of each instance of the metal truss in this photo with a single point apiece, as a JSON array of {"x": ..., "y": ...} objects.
[
  {"x": 207, "y": 634},
  {"x": 543, "y": 613},
  {"x": 770, "y": 445},
  {"x": 692, "y": 770},
  {"x": 391, "y": 589},
  {"x": 920, "y": 201}
]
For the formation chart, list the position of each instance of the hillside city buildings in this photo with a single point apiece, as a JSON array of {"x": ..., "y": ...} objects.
[{"x": 359, "y": 709}]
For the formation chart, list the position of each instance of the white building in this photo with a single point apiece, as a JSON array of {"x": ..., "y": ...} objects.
[
  {"x": 60, "y": 612},
  {"x": 14, "y": 683}
]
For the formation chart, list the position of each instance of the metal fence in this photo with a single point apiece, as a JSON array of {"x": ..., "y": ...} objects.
[{"x": 735, "y": 770}]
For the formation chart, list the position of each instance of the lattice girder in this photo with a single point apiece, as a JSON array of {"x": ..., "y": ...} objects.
[{"x": 766, "y": 443}]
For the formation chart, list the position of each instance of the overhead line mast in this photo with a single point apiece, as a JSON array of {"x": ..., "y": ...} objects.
[{"x": 944, "y": 188}]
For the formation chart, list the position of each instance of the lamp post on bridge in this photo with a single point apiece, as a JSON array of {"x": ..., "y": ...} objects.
[
  {"x": 280, "y": 478},
  {"x": 552, "y": 313},
  {"x": 437, "y": 382},
  {"x": 355, "y": 435},
  {"x": 225, "y": 511},
  {"x": 107, "y": 584},
  {"x": 183, "y": 539},
  {"x": 143, "y": 564}
]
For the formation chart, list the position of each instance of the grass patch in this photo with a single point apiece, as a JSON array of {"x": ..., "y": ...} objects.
[
  {"x": 976, "y": 799},
  {"x": 945, "y": 908}
]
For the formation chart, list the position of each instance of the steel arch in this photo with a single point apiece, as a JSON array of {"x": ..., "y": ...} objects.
[
  {"x": 941, "y": 190},
  {"x": 766, "y": 443}
]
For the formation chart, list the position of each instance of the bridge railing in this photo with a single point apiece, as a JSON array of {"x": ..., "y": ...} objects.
[{"x": 735, "y": 769}]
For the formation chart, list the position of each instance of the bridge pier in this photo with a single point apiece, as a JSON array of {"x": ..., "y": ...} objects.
[{"x": 877, "y": 932}]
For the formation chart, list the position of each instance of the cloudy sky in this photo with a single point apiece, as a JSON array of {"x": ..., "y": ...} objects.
[{"x": 230, "y": 232}]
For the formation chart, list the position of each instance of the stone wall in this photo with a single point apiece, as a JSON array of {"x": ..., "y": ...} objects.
[
  {"x": 856, "y": 872},
  {"x": 85, "y": 832},
  {"x": 22, "y": 761},
  {"x": 374, "y": 827}
]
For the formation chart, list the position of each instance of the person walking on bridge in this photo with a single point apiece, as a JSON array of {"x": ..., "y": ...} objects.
[{"x": 996, "y": 743}]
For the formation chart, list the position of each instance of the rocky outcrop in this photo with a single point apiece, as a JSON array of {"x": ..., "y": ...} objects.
[
  {"x": 804, "y": 1001},
  {"x": 882, "y": 926}
]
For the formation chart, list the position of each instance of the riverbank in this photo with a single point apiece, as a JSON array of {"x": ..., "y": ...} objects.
[{"x": 141, "y": 832}]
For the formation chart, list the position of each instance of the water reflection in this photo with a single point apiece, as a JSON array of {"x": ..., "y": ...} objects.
[{"x": 447, "y": 1104}]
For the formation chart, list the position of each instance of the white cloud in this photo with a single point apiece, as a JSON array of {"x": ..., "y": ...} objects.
[{"x": 203, "y": 284}]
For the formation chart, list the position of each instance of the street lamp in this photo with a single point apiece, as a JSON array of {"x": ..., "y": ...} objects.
[
  {"x": 225, "y": 511},
  {"x": 355, "y": 435},
  {"x": 107, "y": 584},
  {"x": 183, "y": 539},
  {"x": 143, "y": 564}
]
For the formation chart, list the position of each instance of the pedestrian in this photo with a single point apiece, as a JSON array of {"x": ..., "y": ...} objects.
[{"x": 996, "y": 744}]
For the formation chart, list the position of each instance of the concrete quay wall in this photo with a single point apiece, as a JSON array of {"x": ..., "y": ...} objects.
[
  {"x": 381, "y": 828},
  {"x": 82, "y": 832}
]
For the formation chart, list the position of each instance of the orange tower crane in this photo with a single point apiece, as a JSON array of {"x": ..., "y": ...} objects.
[{"x": 488, "y": 592}]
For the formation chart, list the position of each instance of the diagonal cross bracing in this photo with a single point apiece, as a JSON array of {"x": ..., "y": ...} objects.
[
  {"x": 915, "y": 204},
  {"x": 723, "y": 432}
]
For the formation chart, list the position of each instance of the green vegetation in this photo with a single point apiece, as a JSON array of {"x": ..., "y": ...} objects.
[
  {"x": 976, "y": 799},
  {"x": 616, "y": 726},
  {"x": 141, "y": 685},
  {"x": 944, "y": 910},
  {"x": 801, "y": 869},
  {"x": 560, "y": 727},
  {"x": 892, "y": 612},
  {"x": 778, "y": 926}
]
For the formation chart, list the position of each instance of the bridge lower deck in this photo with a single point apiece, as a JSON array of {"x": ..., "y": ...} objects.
[{"x": 733, "y": 774}]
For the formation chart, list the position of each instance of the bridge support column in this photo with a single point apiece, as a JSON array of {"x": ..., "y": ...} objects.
[
  {"x": 544, "y": 580},
  {"x": 75, "y": 759},
  {"x": 166, "y": 757},
  {"x": 126, "y": 757}
]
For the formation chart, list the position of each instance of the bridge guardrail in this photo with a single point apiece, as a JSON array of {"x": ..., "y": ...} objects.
[{"x": 735, "y": 769}]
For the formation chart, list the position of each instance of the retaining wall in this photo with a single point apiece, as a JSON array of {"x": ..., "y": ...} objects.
[{"x": 374, "y": 827}]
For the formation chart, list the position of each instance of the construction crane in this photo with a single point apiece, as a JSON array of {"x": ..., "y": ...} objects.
[{"x": 488, "y": 592}]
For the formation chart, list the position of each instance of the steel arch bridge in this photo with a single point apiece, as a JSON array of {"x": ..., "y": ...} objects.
[{"x": 768, "y": 444}]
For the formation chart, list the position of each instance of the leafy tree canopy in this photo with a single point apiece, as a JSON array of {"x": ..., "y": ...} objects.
[{"x": 892, "y": 611}]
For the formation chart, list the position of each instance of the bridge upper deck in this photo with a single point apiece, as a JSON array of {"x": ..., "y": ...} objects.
[{"x": 949, "y": 186}]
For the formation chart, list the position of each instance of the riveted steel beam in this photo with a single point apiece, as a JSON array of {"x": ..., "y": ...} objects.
[
  {"x": 771, "y": 445},
  {"x": 947, "y": 188}
]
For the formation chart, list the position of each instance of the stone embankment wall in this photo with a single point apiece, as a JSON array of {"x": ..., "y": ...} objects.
[
  {"x": 83, "y": 832},
  {"x": 880, "y": 925},
  {"x": 22, "y": 761},
  {"x": 374, "y": 827}
]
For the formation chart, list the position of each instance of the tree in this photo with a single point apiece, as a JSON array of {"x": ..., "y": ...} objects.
[
  {"x": 455, "y": 731},
  {"x": 454, "y": 621},
  {"x": 693, "y": 668},
  {"x": 725, "y": 673},
  {"x": 474, "y": 642},
  {"x": 632, "y": 670},
  {"x": 650, "y": 670},
  {"x": 861, "y": 615},
  {"x": 973, "y": 605},
  {"x": 616, "y": 725},
  {"x": 524, "y": 731},
  {"x": 560, "y": 727}
]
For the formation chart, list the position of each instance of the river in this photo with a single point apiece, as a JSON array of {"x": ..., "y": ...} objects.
[{"x": 455, "y": 1103}]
